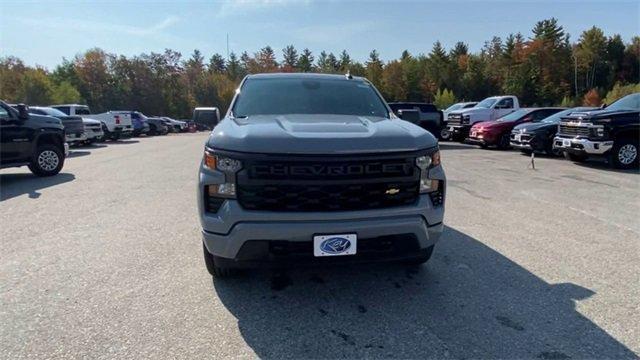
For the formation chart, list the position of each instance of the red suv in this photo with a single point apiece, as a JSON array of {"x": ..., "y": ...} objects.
[{"x": 489, "y": 133}]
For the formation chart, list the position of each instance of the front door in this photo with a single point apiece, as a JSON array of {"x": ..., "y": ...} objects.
[{"x": 15, "y": 138}]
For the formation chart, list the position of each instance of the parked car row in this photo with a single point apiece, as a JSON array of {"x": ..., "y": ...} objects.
[
  {"x": 612, "y": 132},
  {"x": 40, "y": 136}
]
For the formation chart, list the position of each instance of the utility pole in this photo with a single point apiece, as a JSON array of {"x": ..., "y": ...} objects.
[
  {"x": 575, "y": 72},
  {"x": 227, "y": 46}
]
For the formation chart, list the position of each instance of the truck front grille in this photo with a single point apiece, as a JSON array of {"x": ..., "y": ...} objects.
[
  {"x": 572, "y": 130},
  {"x": 328, "y": 184},
  {"x": 454, "y": 119}
]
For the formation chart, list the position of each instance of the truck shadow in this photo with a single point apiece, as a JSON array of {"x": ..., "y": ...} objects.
[
  {"x": 12, "y": 185},
  {"x": 468, "y": 302}
]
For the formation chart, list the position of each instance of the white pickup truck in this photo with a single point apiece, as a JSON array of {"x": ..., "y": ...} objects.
[
  {"x": 489, "y": 109},
  {"x": 116, "y": 125}
]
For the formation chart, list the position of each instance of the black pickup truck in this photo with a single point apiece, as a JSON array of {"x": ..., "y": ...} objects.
[
  {"x": 612, "y": 132},
  {"x": 33, "y": 140},
  {"x": 425, "y": 115}
]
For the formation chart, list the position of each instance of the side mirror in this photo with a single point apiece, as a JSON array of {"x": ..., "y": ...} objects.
[
  {"x": 23, "y": 112},
  {"x": 527, "y": 118},
  {"x": 410, "y": 115},
  {"x": 603, "y": 106}
]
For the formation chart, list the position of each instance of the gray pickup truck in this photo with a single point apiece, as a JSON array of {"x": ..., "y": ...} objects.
[{"x": 311, "y": 168}]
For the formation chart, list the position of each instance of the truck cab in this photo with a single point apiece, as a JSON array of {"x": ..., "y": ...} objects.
[
  {"x": 428, "y": 116},
  {"x": 31, "y": 140},
  {"x": 206, "y": 117},
  {"x": 489, "y": 109},
  {"x": 115, "y": 125}
]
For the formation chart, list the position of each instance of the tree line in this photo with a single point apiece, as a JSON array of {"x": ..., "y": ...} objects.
[{"x": 545, "y": 68}]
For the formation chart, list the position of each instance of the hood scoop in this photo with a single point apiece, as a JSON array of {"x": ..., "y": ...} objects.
[{"x": 316, "y": 124}]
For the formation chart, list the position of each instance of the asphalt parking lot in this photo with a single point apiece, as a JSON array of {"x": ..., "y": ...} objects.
[{"x": 105, "y": 260}]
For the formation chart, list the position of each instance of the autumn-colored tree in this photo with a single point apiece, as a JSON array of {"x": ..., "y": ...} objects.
[
  {"x": 539, "y": 68},
  {"x": 592, "y": 98}
]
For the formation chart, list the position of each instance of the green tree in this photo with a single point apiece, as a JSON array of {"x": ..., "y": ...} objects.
[
  {"x": 619, "y": 91},
  {"x": 65, "y": 93},
  {"x": 373, "y": 69},
  {"x": 290, "y": 58},
  {"x": 444, "y": 98},
  {"x": 305, "y": 61},
  {"x": 234, "y": 68},
  {"x": 37, "y": 88},
  {"x": 217, "y": 64}
]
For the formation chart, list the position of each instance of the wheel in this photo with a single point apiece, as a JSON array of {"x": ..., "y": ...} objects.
[
  {"x": 445, "y": 134},
  {"x": 504, "y": 142},
  {"x": 551, "y": 151},
  {"x": 152, "y": 130},
  {"x": 423, "y": 258},
  {"x": 624, "y": 153},
  {"x": 47, "y": 160},
  {"x": 484, "y": 146},
  {"x": 105, "y": 134},
  {"x": 575, "y": 157},
  {"x": 215, "y": 271},
  {"x": 526, "y": 151}
]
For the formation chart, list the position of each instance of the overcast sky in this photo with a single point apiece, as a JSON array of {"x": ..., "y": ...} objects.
[{"x": 45, "y": 32}]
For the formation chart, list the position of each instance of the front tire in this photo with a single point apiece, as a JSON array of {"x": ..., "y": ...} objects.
[
  {"x": 212, "y": 268},
  {"x": 47, "y": 160},
  {"x": 504, "y": 143},
  {"x": 445, "y": 134},
  {"x": 624, "y": 153}
]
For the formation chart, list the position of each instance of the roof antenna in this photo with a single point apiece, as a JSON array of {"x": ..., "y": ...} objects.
[{"x": 348, "y": 75}]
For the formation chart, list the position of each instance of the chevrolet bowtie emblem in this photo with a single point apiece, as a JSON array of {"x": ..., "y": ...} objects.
[{"x": 392, "y": 191}]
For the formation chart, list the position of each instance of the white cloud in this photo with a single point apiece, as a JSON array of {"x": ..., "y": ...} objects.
[
  {"x": 230, "y": 8},
  {"x": 102, "y": 28}
]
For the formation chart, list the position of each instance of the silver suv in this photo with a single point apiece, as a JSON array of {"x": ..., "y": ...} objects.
[{"x": 311, "y": 168}]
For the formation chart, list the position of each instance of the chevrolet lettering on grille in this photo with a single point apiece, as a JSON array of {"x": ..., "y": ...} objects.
[{"x": 315, "y": 170}]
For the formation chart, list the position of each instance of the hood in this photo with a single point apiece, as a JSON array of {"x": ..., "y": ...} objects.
[
  {"x": 597, "y": 114},
  {"x": 72, "y": 124},
  {"x": 45, "y": 121},
  {"x": 535, "y": 126},
  {"x": 318, "y": 134},
  {"x": 90, "y": 121},
  {"x": 471, "y": 111},
  {"x": 488, "y": 124}
]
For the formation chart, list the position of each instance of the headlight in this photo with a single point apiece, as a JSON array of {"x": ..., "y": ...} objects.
[
  {"x": 222, "y": 163},
  {"x": 425, "y": 163},
  {"x": 226, "y": 165},
  {"x": 599, "y": 130},
  {"x": 226, "y": 190}
]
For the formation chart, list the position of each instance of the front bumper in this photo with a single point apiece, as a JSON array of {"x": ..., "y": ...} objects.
[
  {"x": 528, "y": 141},
  {"x": 76, "y": 137},
  {"x": 582, "y": 146},
  {"x": 459, "y": 130},
  {"x": 482, "y": 139},
  {"x": 226, "y": 232},
  {"x": 94, "y": 133}
]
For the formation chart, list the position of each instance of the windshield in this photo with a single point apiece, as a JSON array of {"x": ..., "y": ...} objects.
[
  {"x": 52, "y": 112},
  {"x": 486, "y": 103},
  {"x": 514, "y": 116},
  {"x": 454, "y": 107},
  {"x": 555, "y": 118},
  {"x": 278, "y": 96},
  {"x": 629, "y": 102}
]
